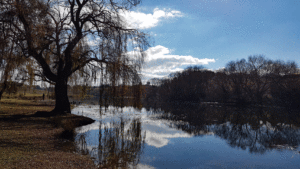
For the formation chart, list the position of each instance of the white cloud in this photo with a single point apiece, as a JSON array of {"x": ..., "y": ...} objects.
[
  {"x": 144, "y": 21},
  {"x": 160, "y": 62}
]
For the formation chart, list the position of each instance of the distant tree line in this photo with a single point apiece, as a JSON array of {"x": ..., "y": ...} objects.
[
  {"x": 254, "y": 81},
  {"x": 121, "y": 95}
]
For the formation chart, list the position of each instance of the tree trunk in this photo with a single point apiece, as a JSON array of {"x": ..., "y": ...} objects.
[
  {"x": 62, "y": 104},
  {"x": 3, "y": 89}
]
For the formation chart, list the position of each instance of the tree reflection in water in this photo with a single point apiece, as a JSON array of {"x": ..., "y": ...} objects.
[
  {"x": 254, "y": 129},
  {"x": 120, "y": 144}
]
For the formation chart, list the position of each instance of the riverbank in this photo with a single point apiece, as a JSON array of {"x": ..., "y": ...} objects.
[{"x": 28, "y": 140}]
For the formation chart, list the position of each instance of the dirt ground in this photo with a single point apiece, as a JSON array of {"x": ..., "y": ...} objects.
[{"x": 31, "y": 141}]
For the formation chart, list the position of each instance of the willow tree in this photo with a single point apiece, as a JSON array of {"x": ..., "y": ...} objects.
[
  {"x": 10, "y": 63},
  {"x": 68, "y": 36}
]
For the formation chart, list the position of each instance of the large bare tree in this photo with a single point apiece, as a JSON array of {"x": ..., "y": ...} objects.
[{"x": 67, "y": 36}]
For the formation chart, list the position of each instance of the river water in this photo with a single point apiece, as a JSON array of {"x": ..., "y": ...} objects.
[{"x": 190, "y": 136}]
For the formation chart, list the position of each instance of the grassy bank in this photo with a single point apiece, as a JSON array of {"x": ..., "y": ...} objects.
[{"x": 31, "y": 141}]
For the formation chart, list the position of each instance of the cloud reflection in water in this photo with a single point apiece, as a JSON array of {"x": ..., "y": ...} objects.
[{"x": 157, "y": 131}]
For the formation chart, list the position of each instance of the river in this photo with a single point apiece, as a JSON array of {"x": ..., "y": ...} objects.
[{"x": 190, "y": 136}]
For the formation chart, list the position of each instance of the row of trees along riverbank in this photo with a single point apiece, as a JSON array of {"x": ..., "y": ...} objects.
[{"x": 256, "y": 80}]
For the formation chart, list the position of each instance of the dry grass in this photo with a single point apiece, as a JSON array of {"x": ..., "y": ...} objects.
[{"x": 33, "y": 142}]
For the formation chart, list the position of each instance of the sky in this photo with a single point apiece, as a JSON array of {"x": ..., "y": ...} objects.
[{"x": 213, "y": 32}]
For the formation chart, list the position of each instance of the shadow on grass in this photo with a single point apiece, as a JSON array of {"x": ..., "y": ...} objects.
[
  {"x": 41, "y": 118},
  {"x": 29, "y": 104},
  {"x": 17, "y": 117}
]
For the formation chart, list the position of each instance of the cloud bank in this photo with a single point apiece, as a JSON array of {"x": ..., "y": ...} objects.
[{"x": 160, "y": 62}]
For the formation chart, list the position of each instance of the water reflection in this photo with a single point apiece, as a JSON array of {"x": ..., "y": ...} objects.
[
  {"x": 259, "y": 140},
  {"x": 255, "y": 129},
  {"x": 119, "y": 144},
  {"x": 127, "y": 137}
]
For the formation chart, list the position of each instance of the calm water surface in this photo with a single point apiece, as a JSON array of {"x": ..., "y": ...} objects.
[{"x": 190, "y": 137}]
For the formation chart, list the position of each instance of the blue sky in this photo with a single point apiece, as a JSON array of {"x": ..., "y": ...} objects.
[{"x": 212, "y": 33}]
